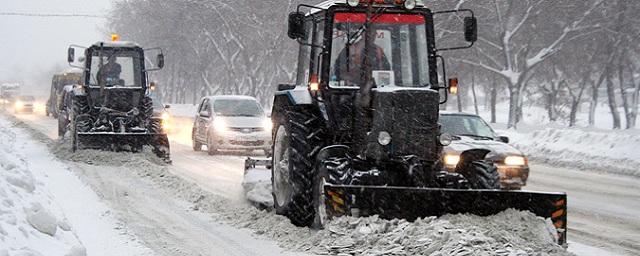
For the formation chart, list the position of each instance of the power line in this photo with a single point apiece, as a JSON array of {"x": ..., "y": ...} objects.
[{"x": 25, "y": 14}]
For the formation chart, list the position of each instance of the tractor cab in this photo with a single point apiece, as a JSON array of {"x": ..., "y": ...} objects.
[
  {"x": 369, "y": 63},
  {"x": 115, "y": 74}
]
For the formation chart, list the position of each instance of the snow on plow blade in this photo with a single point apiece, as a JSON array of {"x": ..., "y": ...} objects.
[
  {"x": 413, "y": 203},
  {"x": 124, "y": 142}
]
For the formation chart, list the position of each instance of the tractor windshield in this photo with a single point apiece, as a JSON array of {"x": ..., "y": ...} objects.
[
  {"x": 116, "y": 68},
  {"x": 399, "y": 55}
]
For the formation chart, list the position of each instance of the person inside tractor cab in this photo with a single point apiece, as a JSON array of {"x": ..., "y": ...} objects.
[
  {"x": 350, "y": 68},
  {"x": 109, "y": 74}
]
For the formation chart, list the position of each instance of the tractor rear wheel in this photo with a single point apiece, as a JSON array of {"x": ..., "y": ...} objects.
[{"x": 297, "y": 142}]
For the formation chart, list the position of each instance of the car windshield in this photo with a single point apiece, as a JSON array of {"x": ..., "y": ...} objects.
[
  {"x": 466, "y": 125},
  {"x": 26, "y": 98},
  {"x": 237, "y": 108},
  {"x": 116, "y": 69},
  {"x": 399, "y": 56}
]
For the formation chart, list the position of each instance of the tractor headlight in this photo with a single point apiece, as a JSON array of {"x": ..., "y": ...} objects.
[
  {"x": 410, "y": 4},
  {"x": 165, "y": 119},
  {"x": 219, "y": 125},
  {"x": 267, "y": 125},
  {"x": 445, "y": 139},
  {"x": 515, "y": 160},
  {"x": 451, "y": 160},
  {"x": 353, "y": 3},
  {"x": 384, "y": 138}
]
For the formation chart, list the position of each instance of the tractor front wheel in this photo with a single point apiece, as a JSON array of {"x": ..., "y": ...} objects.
[{"x": 297, "y": 142}]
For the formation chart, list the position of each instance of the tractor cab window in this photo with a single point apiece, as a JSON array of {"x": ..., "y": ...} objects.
[
  {"x": 116, "y": 69},
  {"x": 399, "y": 53}
]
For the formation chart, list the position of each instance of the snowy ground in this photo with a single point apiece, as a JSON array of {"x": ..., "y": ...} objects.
[
  {"x": 46, "y": 210},
  {"x": 195, "y": 207}
]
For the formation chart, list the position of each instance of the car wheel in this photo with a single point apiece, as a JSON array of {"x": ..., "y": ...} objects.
[
  {"x": 197, "y": 146},
  {"x": 211, "y": 146}
]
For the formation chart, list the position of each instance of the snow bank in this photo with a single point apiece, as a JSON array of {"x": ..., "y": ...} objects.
[
  {"x": 30, "y": 223},
  {"x": 608, "y": 151}
]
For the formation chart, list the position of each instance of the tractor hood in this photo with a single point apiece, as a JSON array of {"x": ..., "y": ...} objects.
[{"x": 498, "y": 149}]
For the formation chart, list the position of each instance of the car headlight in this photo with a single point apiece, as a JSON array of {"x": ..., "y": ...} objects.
[
  {"x": 451, "y": 159},
  {"x": 219, "y": 125},
  {"x": 267, "y": 124},
  {"x": 515, "y": 160},
  {"x": 19, "y": 104}
]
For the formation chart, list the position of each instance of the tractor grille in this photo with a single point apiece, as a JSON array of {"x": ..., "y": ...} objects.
[{"x": 411, "y": 117}]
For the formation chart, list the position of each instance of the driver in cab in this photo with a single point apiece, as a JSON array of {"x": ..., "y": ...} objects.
[
  {"x": 109, "y": 74},
  {"x": 349, "y": 69}
]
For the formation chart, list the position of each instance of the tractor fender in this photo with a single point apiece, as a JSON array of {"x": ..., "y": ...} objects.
[
  {"x": 298, "y": 96},
  {"x": 472, "y": 155},
  {"x": 469, "y": 156},
  {"x": 78, "y": 91}
]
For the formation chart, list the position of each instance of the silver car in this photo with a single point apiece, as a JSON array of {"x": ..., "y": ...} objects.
[{"x": 231, "y": 123}]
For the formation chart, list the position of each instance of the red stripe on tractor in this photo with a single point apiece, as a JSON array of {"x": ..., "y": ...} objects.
[{"x": 344, "y": 17}]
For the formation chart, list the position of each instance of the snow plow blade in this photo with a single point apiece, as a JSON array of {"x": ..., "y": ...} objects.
[
  {"x": 412, "y": 203},
  {"x": 125, "y": 142}
]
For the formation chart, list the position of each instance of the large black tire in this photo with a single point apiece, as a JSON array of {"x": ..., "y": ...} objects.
[
  {"x": 303, "y": 128},
  {"x": 80, "y": 119},
  {"x": 482, "y": 175},
  {"x": 146, "y": 112}
]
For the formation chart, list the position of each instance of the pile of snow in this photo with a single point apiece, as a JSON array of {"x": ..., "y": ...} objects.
[
  {"x": 609, "y": 151},
  {"x": 257, "y": 187},
  {"x": 30, "y": 223}
]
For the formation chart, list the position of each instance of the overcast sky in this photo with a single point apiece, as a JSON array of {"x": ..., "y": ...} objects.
[{"x": 32, "y": 47}]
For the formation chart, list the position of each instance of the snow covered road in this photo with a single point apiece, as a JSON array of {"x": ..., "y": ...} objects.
[{"x": 603, "y": 209}]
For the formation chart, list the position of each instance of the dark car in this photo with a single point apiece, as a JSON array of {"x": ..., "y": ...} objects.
[{"x": 471, "y": 131}]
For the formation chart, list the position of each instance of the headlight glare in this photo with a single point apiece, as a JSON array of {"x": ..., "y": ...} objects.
[
  {"x": 515, "y": 160},
  {"x": 267, "y": 124},
  {"x": 451, "y": 159},
  {"x": 219, "y": 125}
]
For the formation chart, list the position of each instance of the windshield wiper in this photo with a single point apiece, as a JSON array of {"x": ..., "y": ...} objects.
[{"x": 476, "y": 136}]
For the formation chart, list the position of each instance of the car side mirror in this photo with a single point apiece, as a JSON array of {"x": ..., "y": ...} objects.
[
  {"x": 204, "y": 113},
  {"x": 160, "y": 60},
  {"x": 504, "y": 139},
  {"x": 470, "y": 29},
  {"x": 167, "y": 106},
  {"x": 296, "y": 26},
  {"x": 71, "y": 55}
]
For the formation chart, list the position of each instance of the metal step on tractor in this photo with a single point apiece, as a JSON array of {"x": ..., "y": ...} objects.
[
  {"x": 111, "y": 108},
  {"x": 358, "y": 133}
]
